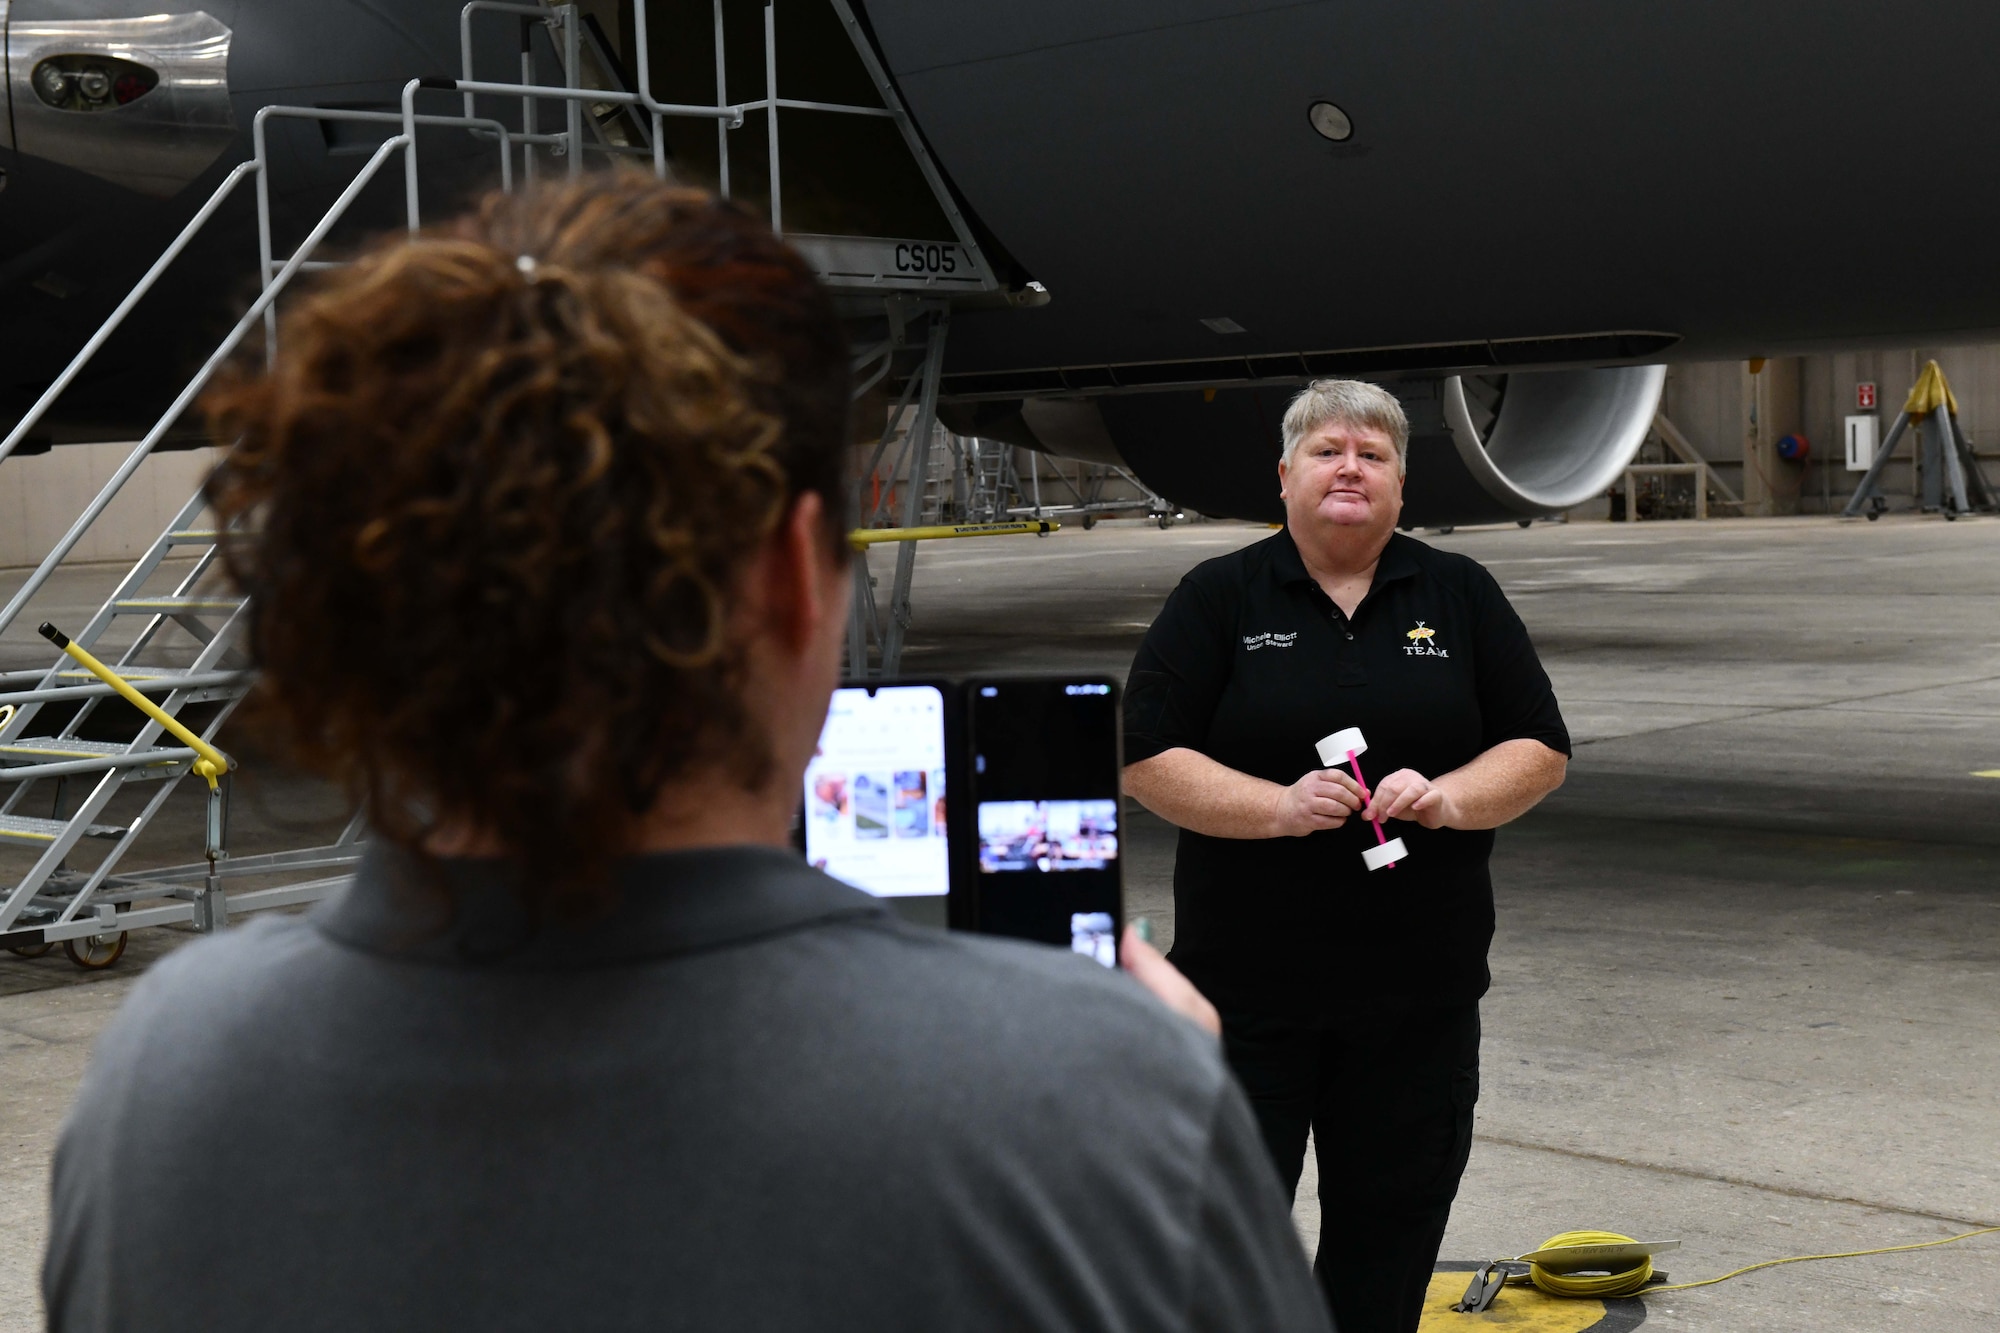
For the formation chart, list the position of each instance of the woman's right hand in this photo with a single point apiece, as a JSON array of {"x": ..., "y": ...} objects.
[
  {"x": 1322, "y": 799},
  {"x": 1150, "y": 968}
]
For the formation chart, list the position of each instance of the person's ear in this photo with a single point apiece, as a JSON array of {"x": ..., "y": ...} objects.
[
  {"x": 801, "y": 575},
  {"x": 1281, "y": 480}
]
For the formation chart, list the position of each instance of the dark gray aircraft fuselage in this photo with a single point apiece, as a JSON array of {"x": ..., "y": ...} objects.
[
  {"x": 92, "y": 188},
  {"x": 1495, "y": 189}
]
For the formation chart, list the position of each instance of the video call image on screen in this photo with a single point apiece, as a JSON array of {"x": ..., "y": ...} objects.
[
  {"x": 1047, "y": 835},
  {"x": 1044, "y": 778},
  {"x": 874, "y": 792}
]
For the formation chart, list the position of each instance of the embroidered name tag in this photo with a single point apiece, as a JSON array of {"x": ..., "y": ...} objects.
[{"x": 1252, "y": 642}]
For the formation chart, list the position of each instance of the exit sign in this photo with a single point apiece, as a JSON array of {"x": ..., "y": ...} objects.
[{"x": 1864, "y": 397}]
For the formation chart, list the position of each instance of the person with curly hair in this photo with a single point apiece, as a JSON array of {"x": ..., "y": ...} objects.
[{"x": 541, "y": 517}]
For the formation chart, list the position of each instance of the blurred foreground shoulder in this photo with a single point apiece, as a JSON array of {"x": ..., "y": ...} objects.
[{"x": 1112, "y": 1080}]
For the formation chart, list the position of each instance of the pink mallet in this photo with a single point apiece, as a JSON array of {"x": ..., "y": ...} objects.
[{"x": 1348, "y": 745}]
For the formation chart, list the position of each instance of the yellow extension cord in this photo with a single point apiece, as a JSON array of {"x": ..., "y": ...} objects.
[{"x": 1632, "y": 1281}]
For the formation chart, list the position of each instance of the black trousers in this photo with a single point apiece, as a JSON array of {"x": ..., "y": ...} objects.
[{"x": 1389, "y": 1103}]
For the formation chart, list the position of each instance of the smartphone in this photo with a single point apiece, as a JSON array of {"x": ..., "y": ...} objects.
[
  {"x": 1043, "y": 773},
  {"x": 876, "y": 812}
]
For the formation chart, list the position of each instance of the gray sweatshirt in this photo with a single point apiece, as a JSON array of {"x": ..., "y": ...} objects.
[{"x": 748, "y": 1099}]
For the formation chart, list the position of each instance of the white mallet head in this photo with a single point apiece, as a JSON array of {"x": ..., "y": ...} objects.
[
  {"x": 1388, "y": 853},
  {"x": 1334, "y": 749}
]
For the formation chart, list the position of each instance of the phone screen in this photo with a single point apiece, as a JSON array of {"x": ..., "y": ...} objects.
[
  {"x": 874, "y": 811},
  {"x": 1044, "y": 777}
]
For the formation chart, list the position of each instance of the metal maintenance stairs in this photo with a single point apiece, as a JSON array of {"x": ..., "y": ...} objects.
[
  {"x": 55, "y": 901},
  {"x": 995, "y": 484},
  {"x": 909, "y": 287},
  {"x": 21, "y": 828},
  {"x": 181, "y": 653},
  {"x": 184, "y": 650},
  {"x": 41, "y": 741}
]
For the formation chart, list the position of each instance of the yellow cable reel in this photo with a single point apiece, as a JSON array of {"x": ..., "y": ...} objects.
[{"x": 1609, "y": 1265}]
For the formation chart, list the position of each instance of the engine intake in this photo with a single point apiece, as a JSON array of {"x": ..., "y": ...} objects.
[{"x": 1561, "y": 436}]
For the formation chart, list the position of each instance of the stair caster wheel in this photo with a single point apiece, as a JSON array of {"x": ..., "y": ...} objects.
[
  {"x": 1089, "y": 522},
  {"x": 1524, "y": 522},
  {"x": 32, "y": 950},
  {"x": 94, "y": 955}
]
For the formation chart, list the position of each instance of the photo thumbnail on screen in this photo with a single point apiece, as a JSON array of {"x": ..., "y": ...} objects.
[
  {"x": 875, "y": 792},
  {"x": 1047, "y": 836},
  {"x": 1094, "y": 935}
]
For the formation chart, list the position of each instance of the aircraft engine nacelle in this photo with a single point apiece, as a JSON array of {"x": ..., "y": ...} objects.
[
  {"x": 142, "y": 102},
  {"x": 1558, "y": 438},
  {"x": 1482, "y": 448}
]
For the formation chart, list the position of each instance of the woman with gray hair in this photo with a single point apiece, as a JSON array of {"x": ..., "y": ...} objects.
[{"x": 1349, "y": 996}]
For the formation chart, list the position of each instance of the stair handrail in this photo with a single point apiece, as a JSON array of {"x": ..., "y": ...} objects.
[
  {"x": 211, "y": 763},
  {"x": 186, "y": 397},
  {"x": 262, "y": 308},
  {"x": 124, "y": 308},
  {"x": 727, "y": 114}
]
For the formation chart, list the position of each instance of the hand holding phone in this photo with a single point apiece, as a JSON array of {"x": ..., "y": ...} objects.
[{"x": 1150, "y": 968}]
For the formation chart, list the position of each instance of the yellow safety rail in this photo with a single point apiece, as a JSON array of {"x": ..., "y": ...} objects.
[
  {"x": 861, "y": 537},
  {"x": 211, "y": 763}
]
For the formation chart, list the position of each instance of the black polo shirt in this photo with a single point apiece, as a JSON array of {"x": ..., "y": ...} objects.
[{"x": 1250, "y": 663}]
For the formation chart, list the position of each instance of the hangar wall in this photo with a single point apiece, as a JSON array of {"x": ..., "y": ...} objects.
[
  {"x": 41, "y": 495},
  {"x": 1710, "y": 403}
]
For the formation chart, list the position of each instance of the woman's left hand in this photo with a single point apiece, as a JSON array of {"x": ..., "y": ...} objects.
[{"x": 1408, "y": 794}]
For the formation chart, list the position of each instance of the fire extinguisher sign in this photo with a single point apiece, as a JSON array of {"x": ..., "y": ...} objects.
[{"x": 1864, "y": 397}]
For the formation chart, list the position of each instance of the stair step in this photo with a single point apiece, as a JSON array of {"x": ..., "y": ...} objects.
[
  {"x": 193, "y": 536},
  {"x": 129, "y": 673},
  {"x": 50, "y": 749},
  {"x": 41, "y": 748},
  {"x": 168, "y": 605},
  {"x": 20, "y": 756},
  {"x": 20, "y": 828}
]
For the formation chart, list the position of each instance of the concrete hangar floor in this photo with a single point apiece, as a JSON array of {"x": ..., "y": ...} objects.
[{"x": 1747, "y": 976}]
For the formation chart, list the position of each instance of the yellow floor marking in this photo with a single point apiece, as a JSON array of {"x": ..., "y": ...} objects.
[
  {"x": 1986, "y": 773},
  {"x": 1523, "y": 1309}
]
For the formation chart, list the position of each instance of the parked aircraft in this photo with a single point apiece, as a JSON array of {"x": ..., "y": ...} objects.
[{"x": 1513, "y": 215}]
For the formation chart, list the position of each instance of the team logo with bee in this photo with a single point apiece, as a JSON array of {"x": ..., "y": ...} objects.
[{"x": 1423, "y": 642}]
